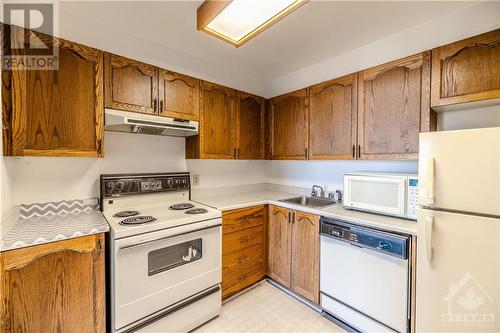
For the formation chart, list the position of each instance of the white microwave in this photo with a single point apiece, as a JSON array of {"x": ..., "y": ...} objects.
[{"x": 392, "y": 194}]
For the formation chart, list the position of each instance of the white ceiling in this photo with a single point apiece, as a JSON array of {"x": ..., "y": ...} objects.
[{"x": 317, "y": 31}]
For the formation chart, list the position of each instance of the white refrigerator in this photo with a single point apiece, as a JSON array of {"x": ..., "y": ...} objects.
[{"x": 458, "y": 244}]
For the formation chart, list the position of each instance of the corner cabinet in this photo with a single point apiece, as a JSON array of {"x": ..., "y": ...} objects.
[
  {"x": 55, "y": 287},
  {"x": 288, "y": 126},
  {"x": 130, "y": 85},
  {"x": 55, "y": 112},
  {"x": 466, "y": 71},
  {"x": 231, "y": 125},
  {"x": 293, "y": 251},
  {"x": 332, "y": 119},
  {"x": 393, "y": 108},
  {"x": 250, "y": 116}
]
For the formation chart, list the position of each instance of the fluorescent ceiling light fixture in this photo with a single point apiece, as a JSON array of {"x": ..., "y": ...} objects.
[{"x": 238, "y": 21}]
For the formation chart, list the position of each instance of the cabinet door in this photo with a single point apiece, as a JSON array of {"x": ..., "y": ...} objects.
[
  {"x": 289, "y": 126},
  {"x": 332, "y": 119},
  {"x": 179, "y": 95},
  {"x": 467, "y": 71},
  {"x": 56, "y": 112},
  {"x": 279, "y": 245},
  {"x": 305, "y": 255},
  {"x": 130, "y": 85},
  {"x": 250, "y": 125},
  {"x": 55, "y": 287},
  {"x": 393, "y": 107},
  {"x": 217, "y": 130}
]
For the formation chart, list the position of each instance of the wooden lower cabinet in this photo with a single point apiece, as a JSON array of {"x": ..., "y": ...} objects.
[
  {"x": 243, "y": 248},
  {"x": 294, "y": 251},
  {"x": 55, "y": 287}
]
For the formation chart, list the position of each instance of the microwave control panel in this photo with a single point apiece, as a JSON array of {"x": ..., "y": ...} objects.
[{"x": 412, "y": 197}]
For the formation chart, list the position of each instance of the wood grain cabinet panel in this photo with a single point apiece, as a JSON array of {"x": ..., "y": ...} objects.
[
  {"x": 130, "y": 85},
  {"x": 179, "y": 95},
  {"x": 279, "y": 245},
  {"x": 305, "y": 256},
  {"x": 393, "y": 107},
  {"x": 243, "y": 248},
  {"x": 217, "y": 124},
  {"x": 56, "y": 287},
  {"x": 467, "y": 70},
  {"x": 55, "y": 112},
  {"x": 289, "y": 126},
  {"x": 250, "y": 126},
  {"x": 332, "y": 119}
]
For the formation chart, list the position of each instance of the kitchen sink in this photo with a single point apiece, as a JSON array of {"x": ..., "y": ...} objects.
[{"x": 310, "y": 201}]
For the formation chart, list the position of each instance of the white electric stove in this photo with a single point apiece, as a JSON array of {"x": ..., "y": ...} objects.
[{"x": 165, "y": 253}]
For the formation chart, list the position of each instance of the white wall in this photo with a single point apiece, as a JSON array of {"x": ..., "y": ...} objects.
[
  {"x": 42, "y": 179},
  {"x": 328, "y": 173},
  {"x": 457, "y": 25}
]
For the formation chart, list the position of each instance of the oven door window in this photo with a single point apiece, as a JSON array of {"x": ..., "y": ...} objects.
[{"x": 167, "y": 258}]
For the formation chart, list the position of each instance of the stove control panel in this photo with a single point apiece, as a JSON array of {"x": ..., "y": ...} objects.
[{"x": 118, "y": 185}]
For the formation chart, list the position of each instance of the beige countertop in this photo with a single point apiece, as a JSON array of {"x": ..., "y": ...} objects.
[{"x": 229, "y": 201}]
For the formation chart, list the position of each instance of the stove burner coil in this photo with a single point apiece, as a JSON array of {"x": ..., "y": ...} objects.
[
  {"x": 181, "y": 206},
  {"x": 196, "y": 211},
  {"x": 136, "y": 220},
  {"x": 126, "y": 213}
]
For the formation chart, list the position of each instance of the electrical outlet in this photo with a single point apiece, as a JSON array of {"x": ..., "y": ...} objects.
[{"x": 196, "y": 179}]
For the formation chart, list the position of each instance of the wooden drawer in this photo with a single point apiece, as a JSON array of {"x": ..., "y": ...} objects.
[
  {"x": 237, "y": 281},
  {"x": 242, "y": 239},
  {"x": 241, "y": 261},
  {"x": 240, "y": 219}
]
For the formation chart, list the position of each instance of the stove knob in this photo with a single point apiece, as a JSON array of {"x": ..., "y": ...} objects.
[
  {"x": 110, "y": 186},
  {"x": 170, "y": 182},
  {"x": 119, "y": 186},
  {"x": 177, "y": 181}
]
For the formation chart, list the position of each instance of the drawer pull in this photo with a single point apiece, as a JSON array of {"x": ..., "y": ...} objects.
[
  {"x": 242, "y": 259},
  {"x": 243, "y": 277},
  {"x": 243, "y": 239}
]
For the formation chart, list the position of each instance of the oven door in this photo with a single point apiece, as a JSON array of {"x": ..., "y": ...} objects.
[{"x": 155, "y": 270}]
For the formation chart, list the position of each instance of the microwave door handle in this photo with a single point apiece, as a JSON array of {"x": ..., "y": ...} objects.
[
  {"x": 430, "y": 182},
  {"x": 429, "y": 224}
]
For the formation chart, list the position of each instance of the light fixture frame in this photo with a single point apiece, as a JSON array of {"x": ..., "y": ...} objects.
[{"x": 209, "y": 10}]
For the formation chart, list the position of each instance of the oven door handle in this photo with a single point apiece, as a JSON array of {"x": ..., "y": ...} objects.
[{"x": 128, "y": 246}]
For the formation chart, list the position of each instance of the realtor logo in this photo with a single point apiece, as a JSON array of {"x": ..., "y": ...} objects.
[
  {"x": 469, "y": 305},
  {"x": 33, "y": 48}
]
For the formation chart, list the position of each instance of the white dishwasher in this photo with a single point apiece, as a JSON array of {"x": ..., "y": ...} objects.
[{"x": 364, "y": 277}]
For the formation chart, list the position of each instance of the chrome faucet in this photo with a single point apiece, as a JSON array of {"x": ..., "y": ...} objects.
[{"x": 321, "y": 194}]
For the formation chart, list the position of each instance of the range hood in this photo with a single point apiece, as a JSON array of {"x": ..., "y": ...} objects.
[{"x": 131, "y": 122}]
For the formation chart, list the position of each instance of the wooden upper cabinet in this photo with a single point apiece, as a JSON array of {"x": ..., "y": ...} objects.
[
  {"x": 179, "y": 95},
  {"x": 55, "y": 112},
  {"x": 332, "y": 119},
  {"x": 55, "y": 287},
  {"x": 305, "y": 255},
  {"x": 466, "y": 71},
  {"x": 130, "y": 85},
  {"x": 217, "y": 121},
  {"x": 393, "y": 107},
  {"x": 288, "y": 117},
  {"x": 250, "y": 126},
  {"x": 279, "y": 247}
]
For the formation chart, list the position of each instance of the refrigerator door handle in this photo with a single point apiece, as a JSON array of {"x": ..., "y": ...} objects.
[
  {"x": 429, "y": 224},
  {"x": 430, "y": 182}
]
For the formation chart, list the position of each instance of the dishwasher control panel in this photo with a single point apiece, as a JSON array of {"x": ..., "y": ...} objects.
[{"x": 387, "y": 243}]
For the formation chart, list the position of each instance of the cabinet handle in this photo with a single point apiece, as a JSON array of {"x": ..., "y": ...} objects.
[
  {"x": 243, "y": 277},
  {"x": 99, "y": 247},
  {"x": 353, "y": 151},
  {"x": 289, "y": 217},
  {"x": 234, "y": 153},
  {"x": 161, "y": 106},
  {"x": 155, "y": 101},
  {"x": 237, "y": 152},
  {"x": 242, "y": 259},
  {"x": 305, "y": 153},
  {"x": 359, "y": 151},
  {"x": 243, "y": 239},
  {"x": 293, "y": 217}
]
